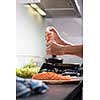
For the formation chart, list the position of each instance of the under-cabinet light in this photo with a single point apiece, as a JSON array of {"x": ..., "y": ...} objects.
[{"x": 38, "y": 9}]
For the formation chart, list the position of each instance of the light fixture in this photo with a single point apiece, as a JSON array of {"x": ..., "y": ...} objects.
[
  {"x": 26, "y": 5},
  {"x": 38, "y": 9},
  {"x": 34, "y": 6},
  {"x": 41, "y": 12}
]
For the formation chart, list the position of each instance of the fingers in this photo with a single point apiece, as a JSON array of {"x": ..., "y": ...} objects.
[
  {"x": 48, "y": 37},
  {"x": 53, "y": 49},
  {"x": 53, "y": 30},
  {"x": 49, "y": 48},
  {"x": 50, "y": 34},
  {"x": 48, "y": 52},
  {"x": 58, "y": 37}
]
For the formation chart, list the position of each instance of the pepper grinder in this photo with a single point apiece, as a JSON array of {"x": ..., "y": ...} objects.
[{"x": 54, "y": 59}]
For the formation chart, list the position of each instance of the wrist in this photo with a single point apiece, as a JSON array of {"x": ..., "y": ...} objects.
[{"x": 67, "y": 49}]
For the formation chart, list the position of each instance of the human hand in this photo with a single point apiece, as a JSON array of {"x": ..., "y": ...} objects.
[
  {"x": 52, "y": 34},
  {"x": 52, "y": 48},
  {"x": 55, "y": 45}
]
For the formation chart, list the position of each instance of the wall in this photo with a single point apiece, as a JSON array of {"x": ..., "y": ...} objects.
[{"x": 29, "y": 32}]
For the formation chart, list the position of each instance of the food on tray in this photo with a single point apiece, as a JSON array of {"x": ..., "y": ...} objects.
[{"x": 50, "y": 76}]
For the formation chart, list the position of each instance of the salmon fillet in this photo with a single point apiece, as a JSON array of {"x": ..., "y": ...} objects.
[{"x": 50, "y": 76}]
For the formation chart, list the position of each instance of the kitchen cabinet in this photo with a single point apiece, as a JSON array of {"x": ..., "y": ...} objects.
[{"x": 69, "y": 91}]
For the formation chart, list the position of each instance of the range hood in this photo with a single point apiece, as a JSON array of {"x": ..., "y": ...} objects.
[
  {"x": 57, "y": 8},
  {"x": 60, "y": 8}
]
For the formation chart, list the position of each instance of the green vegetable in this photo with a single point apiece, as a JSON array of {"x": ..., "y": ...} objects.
[{"x": 28, "y": 70}]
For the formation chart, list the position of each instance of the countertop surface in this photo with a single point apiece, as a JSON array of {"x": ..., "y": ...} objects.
[{"x": 57, "y": 92}]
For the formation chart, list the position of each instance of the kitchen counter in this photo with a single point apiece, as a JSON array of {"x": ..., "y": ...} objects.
[{"x": 68, "y": 91}]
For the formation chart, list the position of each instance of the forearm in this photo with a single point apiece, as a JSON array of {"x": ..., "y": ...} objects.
[{"x": 74, "y": 50}]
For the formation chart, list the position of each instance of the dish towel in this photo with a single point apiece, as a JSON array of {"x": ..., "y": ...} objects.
[{"x": 27, "y": 87}]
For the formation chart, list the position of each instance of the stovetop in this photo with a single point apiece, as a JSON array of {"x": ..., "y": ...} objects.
[{"x": 64, "y": 69}]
